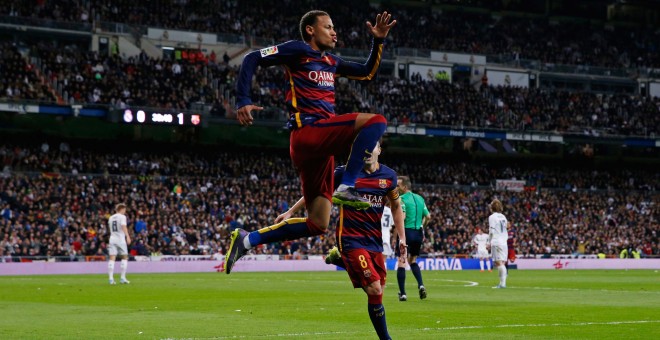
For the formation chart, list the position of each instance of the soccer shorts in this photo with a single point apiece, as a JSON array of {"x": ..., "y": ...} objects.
[
  {"x": 512, "y": 255},
  {"x": 482, "y": 253},
  {"x": 312, "y": 151},
  {"x": 414, "y": 240},
  {"x": 364, "y": 267},
  {"x": 117, "y": 248},
  {"x": 499, "y": 252}
]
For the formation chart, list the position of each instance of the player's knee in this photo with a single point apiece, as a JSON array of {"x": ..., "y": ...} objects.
[
  {"x": 315, "y": 228},
  {"x": 375, "y": 119},
  {"x": 374, "y": 290},
  {"x": 375, "y": 293}
]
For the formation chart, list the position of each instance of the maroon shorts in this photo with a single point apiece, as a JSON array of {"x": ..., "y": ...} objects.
[
  {"x": 512, "y": 255},
  {"x": 312, "y": 151},
  {"x": 364, "y": 267}
]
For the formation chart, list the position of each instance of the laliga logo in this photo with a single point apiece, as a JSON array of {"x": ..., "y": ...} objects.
[{"x": 322, "y": 78}]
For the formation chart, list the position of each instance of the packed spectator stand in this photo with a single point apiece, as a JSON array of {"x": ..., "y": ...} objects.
[
  {"x": 575, "y": 43},
  {"x": 80, "y": 76},
  {"x": 55, "y": 201}
]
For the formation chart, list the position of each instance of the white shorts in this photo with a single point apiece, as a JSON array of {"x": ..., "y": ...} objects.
[
  {"x": 499, "y": 252},
  {"x": 482, "y": 253},
  {"x": 387, "y": 249},
  {"x": 117, "y": 248}
]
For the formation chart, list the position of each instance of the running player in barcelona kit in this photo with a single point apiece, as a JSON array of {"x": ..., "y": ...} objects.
[{"x": 359, "y": 237}]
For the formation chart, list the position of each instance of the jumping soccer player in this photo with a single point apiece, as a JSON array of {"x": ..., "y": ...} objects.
[
  {"x": 317, "y": 134},
  {"x": 497, "y": 235},
  {"x": 359, "y": 235}
]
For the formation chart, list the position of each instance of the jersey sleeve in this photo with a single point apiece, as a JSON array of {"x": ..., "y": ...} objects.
[
  {"x": 392, "y": 191},
  {"x": 280, "y": 54},
  {"x": 123, "y": 221},
  {"x": 366, "y": 71},
  {"x": 425, "y": 211}
]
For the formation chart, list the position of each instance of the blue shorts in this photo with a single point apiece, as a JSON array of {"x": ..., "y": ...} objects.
[{"x": 414, "y": 239}]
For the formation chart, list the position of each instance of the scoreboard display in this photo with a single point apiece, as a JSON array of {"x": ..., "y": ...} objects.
[{"x": 147, "y": 117}]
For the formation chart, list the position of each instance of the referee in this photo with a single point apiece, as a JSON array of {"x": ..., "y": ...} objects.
[{"x": 416, "y": 217}]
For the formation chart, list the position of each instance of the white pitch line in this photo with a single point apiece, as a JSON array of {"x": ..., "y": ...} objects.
[
  {"x": 584, "y": 289},
  {"x": 427, "y": 329},
  {"x": 540, "y": 325},
  {"x": 469, "y": 283}
]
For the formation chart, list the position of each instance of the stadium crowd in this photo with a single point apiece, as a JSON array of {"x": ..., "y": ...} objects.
[
  {"x": 56, "y": 201},
  {"x": 18, "y": 78},
  {"x": 87, "y": 77},
  {"x": 569, "y": 43},
  {"x": 441, "y": 103}
]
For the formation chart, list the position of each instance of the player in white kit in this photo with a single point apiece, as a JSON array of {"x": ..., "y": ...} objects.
[
  {"x": 497, "y": 235},
  {"x": 386, "y": 223},
  {"x": 480, "y": 240},
  {"x": 119, "y": 240}
]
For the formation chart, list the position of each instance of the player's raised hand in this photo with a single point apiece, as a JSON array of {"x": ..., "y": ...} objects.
[
  {"x": 382, "y": 25},
  {"x": 244, "y": 114}
]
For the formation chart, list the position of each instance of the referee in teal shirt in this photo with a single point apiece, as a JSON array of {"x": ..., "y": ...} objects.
[{"x": 416, "y": 217}]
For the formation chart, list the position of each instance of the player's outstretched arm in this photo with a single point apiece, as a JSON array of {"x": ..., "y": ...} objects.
[
  {"x": 382, "y": 25},
  {"x": 287, "y": 214}
]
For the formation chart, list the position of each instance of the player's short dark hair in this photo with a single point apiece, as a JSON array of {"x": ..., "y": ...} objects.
[
  {"x": 496, "y": 206},
  {"x": 405, "y": 180},
  {"x": 120, "y": 206},
  {"x": 309, "y": 19}
]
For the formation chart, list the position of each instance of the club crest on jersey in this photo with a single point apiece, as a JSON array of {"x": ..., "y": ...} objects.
[
  {"x": 382, "y": 183},
  {"x": 367, "y": 273},
  {"x": 268, "y": 51}
]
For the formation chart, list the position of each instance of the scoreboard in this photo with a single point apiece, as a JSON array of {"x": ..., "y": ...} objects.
[{"x": 148, "y": 117}]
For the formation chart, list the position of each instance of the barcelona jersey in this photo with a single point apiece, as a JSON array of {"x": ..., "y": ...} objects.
[
  {"x": 510, "y": 239},
  {"x": 362, "y": 228},
  {"x": 311, "y": 75}
]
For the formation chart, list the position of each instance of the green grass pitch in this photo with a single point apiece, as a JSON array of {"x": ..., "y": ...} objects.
[{"x": 575, "y": 304}]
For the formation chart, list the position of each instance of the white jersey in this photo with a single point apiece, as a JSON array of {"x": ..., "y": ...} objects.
[
  {"x": 497, "y": 229},
  {"x": 386, "y": 223},
  {"x": 480, "y": 240},
  {"x": 115, "y": 224}
]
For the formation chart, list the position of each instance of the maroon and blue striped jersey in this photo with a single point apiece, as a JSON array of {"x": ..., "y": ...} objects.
[
  {"x": 362, "y": 228},
  {"x": 510, "y": 240},
  {"x": 311, "y": 74}
]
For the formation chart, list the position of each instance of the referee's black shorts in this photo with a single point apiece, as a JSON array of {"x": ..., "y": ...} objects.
[{"x": 414, "y": 238}]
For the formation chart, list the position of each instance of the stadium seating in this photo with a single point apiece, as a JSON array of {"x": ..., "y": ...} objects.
[
  {"x": 56, "y": 203},
  {"x": 574, "y": 43}
]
